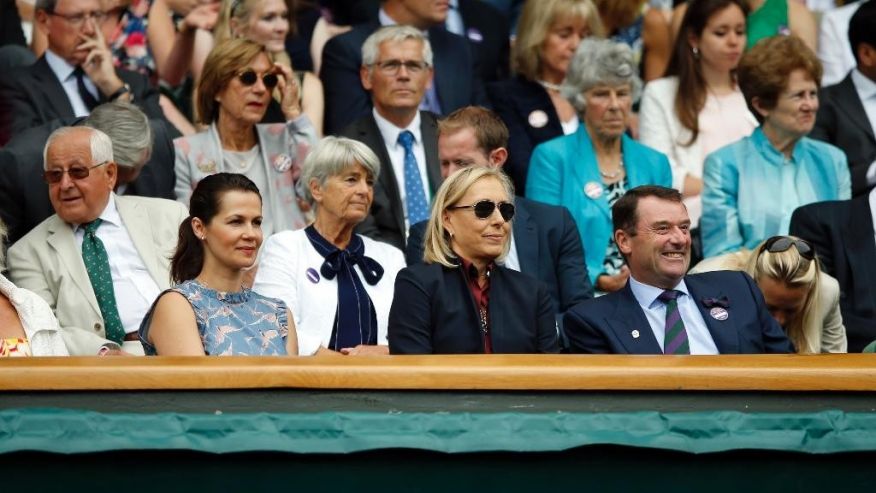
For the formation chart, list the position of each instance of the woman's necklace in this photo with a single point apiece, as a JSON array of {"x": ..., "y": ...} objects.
[
  {"x": 614, "y": 174},
  {"x": 550, "y": 86},
  {"x": 244, "y": 159}
]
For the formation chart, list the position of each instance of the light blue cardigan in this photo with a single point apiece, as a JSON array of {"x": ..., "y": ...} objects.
[{"x": 560, "y": 168}]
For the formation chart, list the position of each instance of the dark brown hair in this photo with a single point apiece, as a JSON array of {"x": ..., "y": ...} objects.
[
  {"x": 691, "y": 95},
  {"x": 206, "y": 201},
  {"x": 490, "y": 131},
  {"x": 624, "y": 214}
]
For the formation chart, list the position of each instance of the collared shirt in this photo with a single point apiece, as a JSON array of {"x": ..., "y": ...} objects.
[
  {"x": 750, "y": 189},
  {"x": 454, "y": 22},
  {"x": 512, "y": 261},
  {"x": 698, "y": 335},
  {"x": 396, "y": 152},
  {"x": 872, "y": 199},
  {"x": 866, "y": 90},
  {"x": 64, "y": 72},
  {"x": 481, "y": 295},
  {"x": 134, "y": 288}
]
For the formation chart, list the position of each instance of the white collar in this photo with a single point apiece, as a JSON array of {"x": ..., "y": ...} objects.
[
  {"x": 59, "y": 66},
  {"x": 390, "y": 132},
  {"x": 647, "y": 295},
  {"x": 109, "y": 215},
  {"x": 866, "y": 88}
]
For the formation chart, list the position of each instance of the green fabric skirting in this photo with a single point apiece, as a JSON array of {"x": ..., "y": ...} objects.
[{"x": 69, "y": 431}]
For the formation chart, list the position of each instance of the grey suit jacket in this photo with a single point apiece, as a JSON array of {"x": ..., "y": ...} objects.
[
  {"x": 48, "y": 262},
  {"x": 386, "y": 222}
]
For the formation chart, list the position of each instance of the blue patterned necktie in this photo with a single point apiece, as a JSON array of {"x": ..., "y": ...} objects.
[
  {"x": 415, "y": 199},
  {"x": 675, "y": 338},
  {"x": 97, "y": 265}
]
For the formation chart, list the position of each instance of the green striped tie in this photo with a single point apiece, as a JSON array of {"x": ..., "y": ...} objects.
[
  {"x": 675, "y": 339},
  {"x": 97, "y": 264}
]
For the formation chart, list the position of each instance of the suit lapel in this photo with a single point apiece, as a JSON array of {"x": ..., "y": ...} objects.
[
  {"x": 851, "y": 106},
  {"x": 51, "y": 87},
  {"x": 724, "y": 332},
  {"x": 429, "y": 134},
  {"x": 498, "y": 319},
  {"x": 525, "y": 230},
  {"x": 369, "y": 134},
  {"x": 137, "y": 223},
  {"x": 62, "y": 241},
  {"x": 587, "y": 170},
  {"x": 630, "y": 325},
  {"x": 860, "y": 246}
]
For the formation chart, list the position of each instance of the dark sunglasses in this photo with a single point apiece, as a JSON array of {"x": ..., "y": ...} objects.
[
  {"x": 249, "y": 77},
  {"x": 76, "y": 173},
  {"x": 778, "y": 244},
  {"x": 485, "y": 208}
]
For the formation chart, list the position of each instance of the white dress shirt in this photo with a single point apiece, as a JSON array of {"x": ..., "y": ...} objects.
[
  {"x": 134, "y": 288},
  {"x": 454, "y": 22},
  {"x": 834, "y": 50},
  {"x": 866, "y": 90},
  {"x": 396, "y": 152},
  {"x": 64, "y": 72},
  {"x": 698, "y": 335}
]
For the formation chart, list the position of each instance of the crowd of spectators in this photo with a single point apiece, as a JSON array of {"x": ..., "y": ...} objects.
[{"x": 436, "y": 177}]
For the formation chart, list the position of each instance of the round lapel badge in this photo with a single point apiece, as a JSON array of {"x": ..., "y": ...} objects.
[
  {"x": 208, "y": 166},
  {"x": 282, "y": 163},
  {"x": 635, "y": 334},
  {"x": 593, "y": 190},
  {"x": 719, "y": 313},
  {"x": 312, "y": 275},
  {"x": 537, "y": 119}
]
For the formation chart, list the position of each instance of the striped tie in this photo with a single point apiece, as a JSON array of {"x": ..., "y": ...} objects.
[{"x": 675, "y": 339}]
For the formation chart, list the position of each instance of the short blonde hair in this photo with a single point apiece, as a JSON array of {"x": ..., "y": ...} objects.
[
  {"x": 437, "y": 241},
  {"x": 222, "y": 64},
  {"x": 794, "y": 271},
  {"x": 241, "y": 11},
  {"x": 535, "y": 22}
]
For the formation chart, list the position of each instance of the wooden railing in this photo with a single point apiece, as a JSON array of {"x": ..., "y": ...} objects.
[{"x": 848, "y": 372}]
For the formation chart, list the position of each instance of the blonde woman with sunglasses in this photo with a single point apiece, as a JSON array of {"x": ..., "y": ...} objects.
[
  {"x": 232, "y": 97},
  {"x": 461, "y": 299},
  {"x": 802, "y": 299}
]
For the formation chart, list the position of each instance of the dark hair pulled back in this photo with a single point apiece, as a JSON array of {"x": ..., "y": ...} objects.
[{"x": 188, "y": 260}]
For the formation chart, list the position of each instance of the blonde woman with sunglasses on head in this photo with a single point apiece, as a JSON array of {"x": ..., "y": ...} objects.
[
  {"x": 232, "y": 97},
  {"x": 804, "y": 300}
]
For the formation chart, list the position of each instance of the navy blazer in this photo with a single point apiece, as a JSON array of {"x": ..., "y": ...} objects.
[
  {"x": 456, "y": 82},
  {"x": 514, "y": 100},
  {"x": 548, "y": 248},
  {"x": 606, "y": 324},
  {"x": 433, "y": 312},
  {"x": 386, "y": 220},
  {"x": 32, "y": 96},
  {"x": 842, "y": 121},
  {"x": 24, "y": 196},
  {"x": 842, "y": 233}
]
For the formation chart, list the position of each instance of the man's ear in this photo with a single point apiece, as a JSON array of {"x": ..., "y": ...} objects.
[
  {"x": 42, "y": 21},
  {"x": 498, "y": 157},
  {"x": 624, "y": 242},
  {"x": 365, "y": 77}
]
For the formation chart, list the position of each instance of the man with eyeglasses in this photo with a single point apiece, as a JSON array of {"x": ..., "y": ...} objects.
[
  {"x": 102, "y": 259},
  {"x": 545, "y": 243},
  {"x": 456, "y": 82},
  {"x": 73, "y": 76},
  {"x": 397, "y": 70},
  {"x": 662, "y": 310}
]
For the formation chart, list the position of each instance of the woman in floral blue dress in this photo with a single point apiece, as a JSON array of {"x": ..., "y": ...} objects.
[{"x": 210, "y": 311}]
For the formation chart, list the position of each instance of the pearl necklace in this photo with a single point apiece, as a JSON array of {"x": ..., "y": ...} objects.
[
  {"x": 615, "y": 173},
  {"x": 550, "y": 86}
]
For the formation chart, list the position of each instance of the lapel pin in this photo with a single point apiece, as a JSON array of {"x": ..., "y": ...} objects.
[
  {"x": 312, "y": 275},
  {"x": 207, "y": 166},
  {"x": 719, "y": 313},
  {"x": 593, "y": 190},
  {"x": 635, "y": 334},
  {"x": 282, "y": 163},
  {"x": 537, "y": 119}
]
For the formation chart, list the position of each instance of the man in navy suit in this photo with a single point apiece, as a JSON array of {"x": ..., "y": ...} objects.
[
  {"x": 661, "y": 310},
  {"x": 456, "y": 83},
  {"x": 545, "y": 243}
]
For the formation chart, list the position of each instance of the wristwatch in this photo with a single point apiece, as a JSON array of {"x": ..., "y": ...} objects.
[{"x": 125, "y": 89}]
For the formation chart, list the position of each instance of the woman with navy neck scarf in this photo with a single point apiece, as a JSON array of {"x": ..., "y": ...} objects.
[
  {"x": 461, "y": 300},
  {"x": 337, "y": 284}
]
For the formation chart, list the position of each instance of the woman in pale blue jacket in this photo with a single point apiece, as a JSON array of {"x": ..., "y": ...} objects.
[
  {"x": 751, "y": 187},
  {"x": 588, "y": 171}
]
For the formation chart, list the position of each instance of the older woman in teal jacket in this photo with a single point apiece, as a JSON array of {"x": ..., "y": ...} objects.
[{"x": 589, "y": 170}]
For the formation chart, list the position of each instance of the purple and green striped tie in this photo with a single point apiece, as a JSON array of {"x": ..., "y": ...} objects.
[{"x": 675, "y": 338}]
